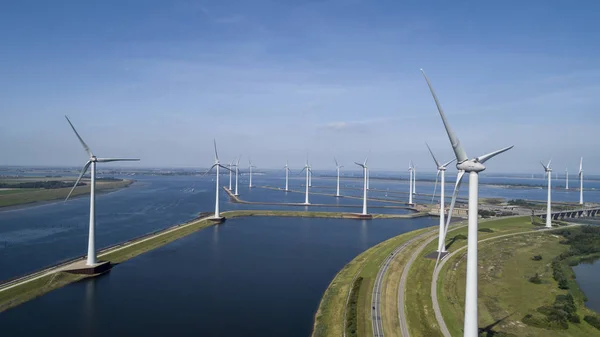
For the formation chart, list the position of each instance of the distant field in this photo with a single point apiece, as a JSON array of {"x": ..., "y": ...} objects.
[{"x": 14, "y": 197}]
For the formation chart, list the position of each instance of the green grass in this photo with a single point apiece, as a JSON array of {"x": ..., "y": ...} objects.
[
  {"x": 505, "y": 293},
  {"x": 28, "y": 196},
  {"x": 12, "y": 191},
  {"x": 30, "y": 290}
]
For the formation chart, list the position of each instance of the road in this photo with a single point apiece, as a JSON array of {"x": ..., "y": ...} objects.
[
  {"x": 434, "y": 298},
  {"x": 376, "y": 298}
]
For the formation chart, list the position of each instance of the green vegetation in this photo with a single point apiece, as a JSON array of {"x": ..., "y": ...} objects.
[
  {"x": 352, "y": 309},
  {"x": 536, "y": 258},
  {"x": 593, "y": 320},
  {"x": 523, "y": 203},
  {"x": 535, "y": 279},
  {"x": 486, "y": 230},
  {"x": 48, "y": 184},
  {"x": 32, "y": 195}
]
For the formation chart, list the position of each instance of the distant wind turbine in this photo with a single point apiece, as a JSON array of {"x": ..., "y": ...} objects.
[
  {"x": 441, "y": 170},
  {"x": 567, "y": 178},
  {"x": 365, "y": 180},
  {"x": 337, "y": 167},
  {"x": 473, "y": 166},
  {"x": 217, "y": 164},
  {"x": 230, "y": 174},
  {"x": 310, "y": 178},
  {"x": 308, "y": 170},
  {"x": 251, "y": 167},
  {"x": 414, "y": 182},
  {"x": 91, "y": 254},
  {"x": 237, "y": 171},
  {"x": 581, "y": 181},
  {"x": 410, "y": 183},
  {"x": 287, "y": 171},
  {"x": 548, "y": 171}
]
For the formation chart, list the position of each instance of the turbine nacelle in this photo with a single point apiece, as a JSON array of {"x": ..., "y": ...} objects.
[{"x": 471, "y": 165}]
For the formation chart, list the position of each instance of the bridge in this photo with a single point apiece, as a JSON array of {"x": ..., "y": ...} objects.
[{"x": 576, "y": 213}]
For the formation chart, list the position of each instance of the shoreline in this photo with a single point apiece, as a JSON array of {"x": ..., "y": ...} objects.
[{"x": 39, "y": 203}]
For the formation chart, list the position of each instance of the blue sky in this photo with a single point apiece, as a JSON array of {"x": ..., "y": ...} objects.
[{"x": 276, "y": 79}]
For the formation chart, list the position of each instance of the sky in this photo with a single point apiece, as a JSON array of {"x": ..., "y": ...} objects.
[{"x": 280, "y": 80}]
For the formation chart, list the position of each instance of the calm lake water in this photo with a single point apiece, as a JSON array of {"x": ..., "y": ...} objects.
[
  {"x": 588, "y": 275},
  {"x": 248, "y": 277}
]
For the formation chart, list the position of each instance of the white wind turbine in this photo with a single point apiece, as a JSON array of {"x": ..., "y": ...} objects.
[
  {"x": 548, "y": 171},
  {"x": 230, "y": 174},
  {"x": 237, "y": 171},
  {"x": 414, "y": 182},
  {"x": 251, "y": 167},
  {"x": 581, "y": 181},
  {"x": 308, "y": 171},
  {"x": 410, "y": 183},
  {"x": 310, "y": 179},
  {"x": 337, "y": 167},
  {"x": 368, "y": 177},
  {"x": 217, "y": 164},
  {"x": 91, "y": 254},
  {"x": 365, "y": 180},
  {"x": 287, "y": 172},
  {"x": 473, "y": 166},
  {"x": 567, "y": 178},
  {"x": 441, "y": 170}
]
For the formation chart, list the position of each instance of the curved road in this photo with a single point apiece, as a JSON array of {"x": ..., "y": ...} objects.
[
  {"x": 376, "y": 298},
  {"x": 434, "y": 299}
]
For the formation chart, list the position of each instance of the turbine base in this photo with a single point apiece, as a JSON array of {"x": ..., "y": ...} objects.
[
  {"x": 80, "y": 267},
  {"x": 217, "y": 220},
  {"x": 360, "y": 216}
]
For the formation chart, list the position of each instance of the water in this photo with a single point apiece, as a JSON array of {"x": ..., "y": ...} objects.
[
  {"x": 588, "y": 275},
  {"x": 248, "y": 277}
]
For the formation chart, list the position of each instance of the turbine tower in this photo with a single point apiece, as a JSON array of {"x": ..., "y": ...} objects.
[
  {"x": 473, "y": 166},
  {"x": 310, "y": 179},
  {"x": 365, "y": 180},
  {"x": 441, "y": 170},
  {"x": 567, "y": 178},
  {"x": 230, "y": 174},
  {"x": 91, "y": 254},
  {"x": 581, "y": 181},
  {"x": 410, "y": 183},
  {"x": 308, "y": 170},
  {"x": 217, "y": 164},
  {"x": 414, "y": 182},
  {"x": 237, "y": 171},
  {"x": 251, "y": 167},
  {"x": 287, "y": 171},
  {"x": 368, "y": 177},
  {"x": 337, "y": 167},
  {"x": 548, "y": 171}
]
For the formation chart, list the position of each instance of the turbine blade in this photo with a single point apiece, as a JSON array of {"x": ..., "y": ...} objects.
[
  {"x": 216, "y": 154},
  {"x": 106, "y": 160},
  {"x": 460, "y": 153},
  {"x": 225, "y": 167},
  {"x": 448, "y": 163},
  {"x": 85, "y": 167},
  {"x": 581, "y": 165},
  {"x": 359, "y": 164},
  {"x": 435, "y": 186},
  {"x": 459, "y": 177},
  {"x": 207, "y": 171},
  {"x": 85, "y": 147},
  {"x": 336, "y": 162},
  {"x": 238, "y": 160},
  {"x": 437, "y": 165},
  {"x": 485, "y": 157},
  {"x": 544, "y": 166},
  {"x": 549, "y": 163}
]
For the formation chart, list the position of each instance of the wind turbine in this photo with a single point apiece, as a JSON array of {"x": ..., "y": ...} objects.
[
  {"x": 287, "y": 171},
  {"x": 410, "y": 183},
  {"x": 473, "y": 166},
  {"x": 308, "y": 170},
  {"x": 91, "y": 254},
  {"x": 230, "y": 174},
  {"x": 337, "y": 167},
  {"x": 581, "y": 181},
  {"x": 548, "y": 171},
  {"x": 368, "y": 177},
  {"x": 310, "y": 178},
  {"x": 217, "y": 164},
  {"x": 237, "y": 170},
  {"x": 365, "y": 175},
  {"x": 441, "y": 170},
  {"x": 567, "y": 178},
  {"x": 251, "y": 167},
  {"x": 414, "y": 182}
]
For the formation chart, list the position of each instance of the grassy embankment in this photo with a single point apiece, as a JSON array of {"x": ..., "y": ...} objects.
[
  {"x": 506, "y": 294},
  {"x": 14, "y": 197},
  {"x": 329, "y": 319},
  {"x": 128, "y": 250}
]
